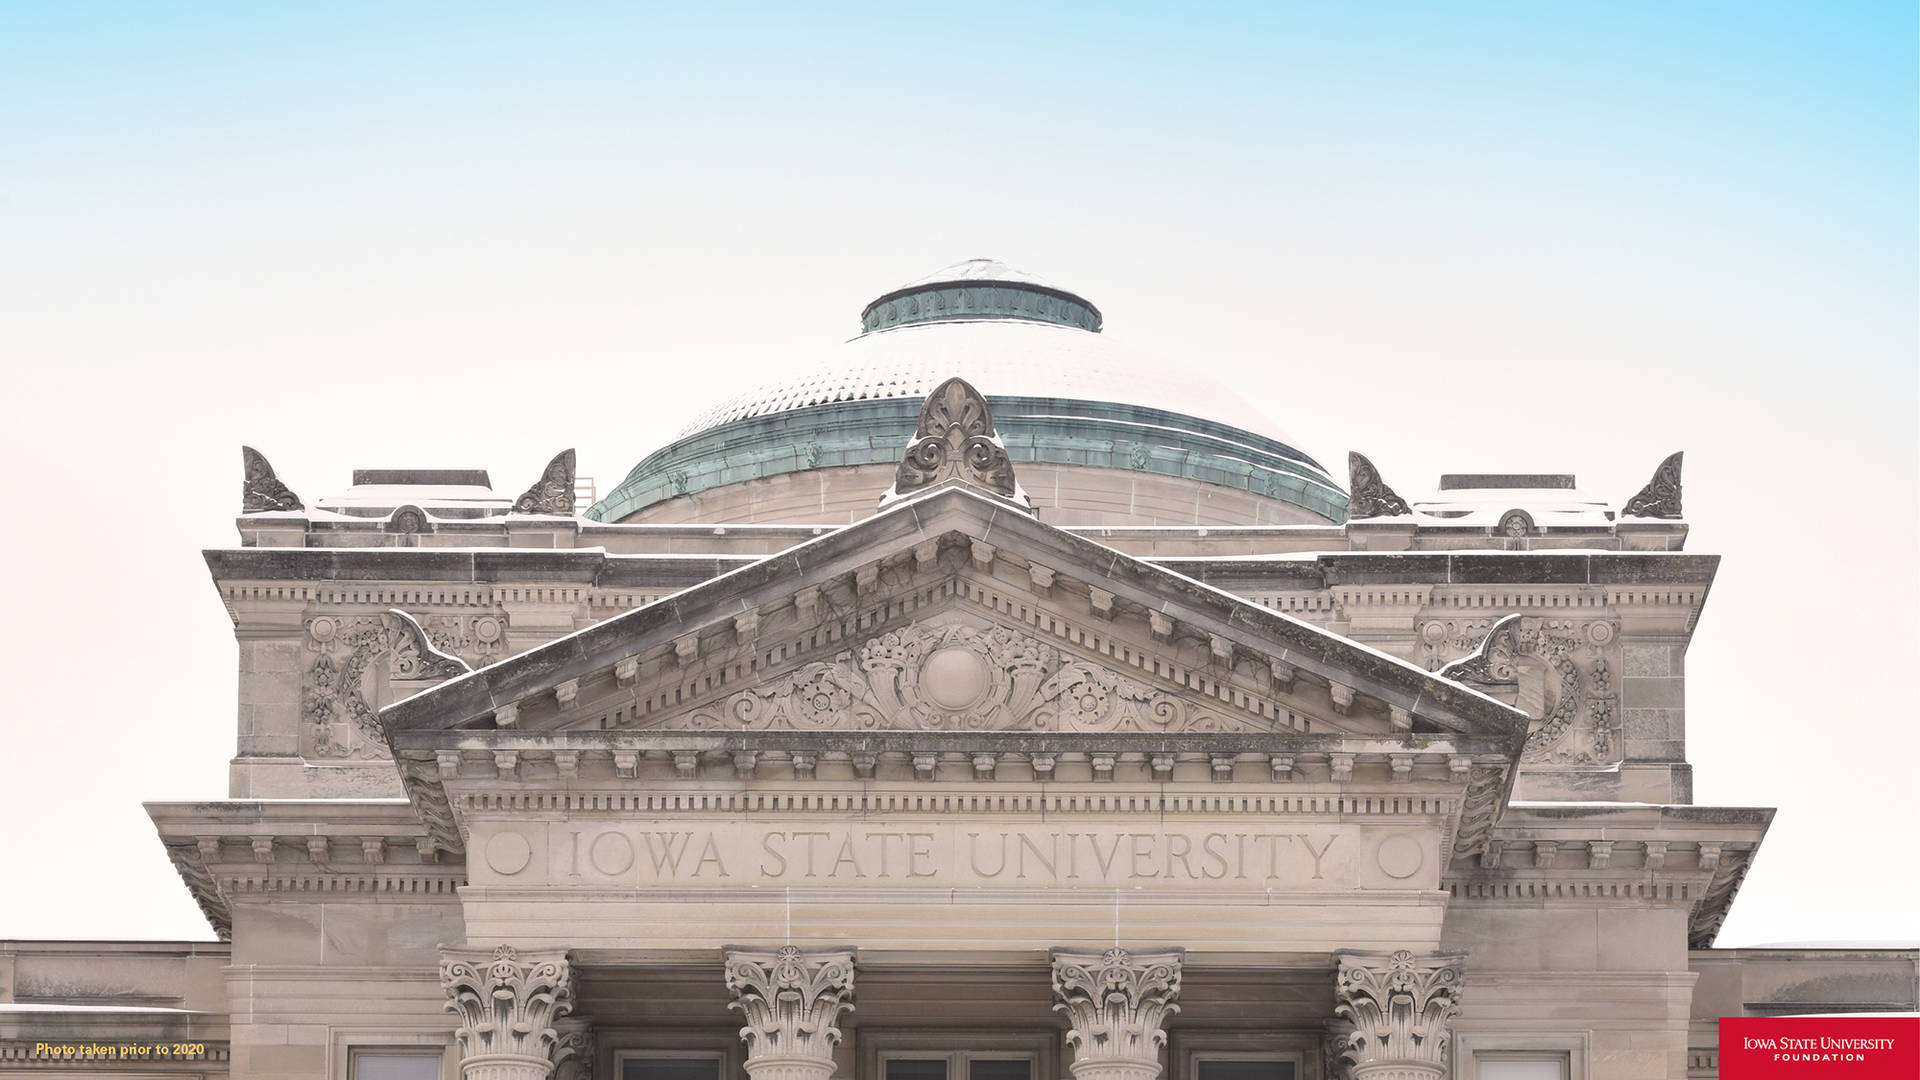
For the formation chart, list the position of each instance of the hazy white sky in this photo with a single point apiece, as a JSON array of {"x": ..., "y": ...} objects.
[{"x": 1567, "y": 237}]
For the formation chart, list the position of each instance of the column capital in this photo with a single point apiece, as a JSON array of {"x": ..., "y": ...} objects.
[
  {"x": 1401, "y": 1007},
  {"x": 1117, "y": 1002},
  {"x": 792, "y": 999},
  {"x": 507, "y": 1000}
]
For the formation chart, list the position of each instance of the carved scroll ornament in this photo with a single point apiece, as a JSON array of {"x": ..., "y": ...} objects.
[
  {"x": 553, "y": 492},
  {"x": 507, "y": 1002},
  {"x": 1661, "y": 497},
  {"x": 956, "y": 440},
  {"x": 1371, "y": 497},
  {"x": 1402, "y": 1009},
  {"x": 1492, "y": 663},
  {"x": 261, "y": 491},
  {"x": 414, "y": 655},
  {"x": 1117, "y": 1003},
  {"x": 791, "y": 999},
  {"x": 944, "y": 678}
]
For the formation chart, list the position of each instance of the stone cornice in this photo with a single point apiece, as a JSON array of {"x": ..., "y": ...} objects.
[
  {"x": 1590, "y": 853},
  {"x": 338, "y": 848},
  {"x": 950, "y": 517}
]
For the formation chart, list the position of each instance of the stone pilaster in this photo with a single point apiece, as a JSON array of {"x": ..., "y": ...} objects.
[
  {"x": 1116, "y": 1002},
  {"x": 507, "y": 1001},
  {"x": 1401, "y": 1007},
  {"x": 792, "y": 999}
]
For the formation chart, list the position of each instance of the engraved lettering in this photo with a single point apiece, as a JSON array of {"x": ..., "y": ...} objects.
[
  {"x": 1048, "y": 860},
  {"x": 919, "y": 847},
  {"x": 1308, "y": 844},
  {"x": 766, "y": 845},
  {"x": 666, "y": 856},
  {"x": 1179, "y": 847},
  {"x": 973, "y": 855},
  {"x": 1218, "y": 857},
  {"x": 710, "y": 854},
  {"x": 847, "y": 857},
  {"x": 611, "y": 853},
  {"x": 1141, "y": 852}
]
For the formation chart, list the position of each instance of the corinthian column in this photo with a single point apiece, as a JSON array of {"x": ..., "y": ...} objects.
[
  {"x": 792, "y": 1000},
  {"x": 1402, "y": 1009},
  {"x": 507, "y": 1001},
  {"x": 1116, "y": 1002}
]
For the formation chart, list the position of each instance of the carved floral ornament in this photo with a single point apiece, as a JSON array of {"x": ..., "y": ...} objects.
[
  {"x": 791, "y": 1000},
  {"x": 261, "y": 491},
  {"x": 1371, "y": 497},
  {"x": 553, "y": 492},
  {"x": 1661, "y": 497},
  {"x": 508, "y": 1002},
  {"x": 342, "y": 721},
  {"x": 1117, "y": 1003},
  {"x": 945, "y": 678},
  {"x": 956, "y": 440},
  {"x": 1402, "y": 1009},
  {"x": 1575, "y": 722}
]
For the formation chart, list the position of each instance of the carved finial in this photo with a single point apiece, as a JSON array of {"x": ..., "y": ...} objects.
[
  {"x": 1492, "y": 663},
  {"x": 414, "y": 654},
  {"x": 1402, "y": 1008},
  {"x": 553, "y": 493},
  {"x": 262, "y": 491},
  {"x": 1371, "y": 497},
  {"x": 956, "y": 440},
  {"x": 1661, "y": 497}
]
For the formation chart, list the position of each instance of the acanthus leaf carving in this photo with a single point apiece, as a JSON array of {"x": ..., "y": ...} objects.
[
  {"x": 1492, "y": 663},
  {"x": 1402, "y": 1009},
  {"x": 553, "y": 492},
  {"x": 1371, "y": 497},
  {"x": 1116, "y": 1003},
  {"x": 413, "y": 653},
  {"x": 791, "y": 999},
  {"x": 261, "y": 491},
  {"x": 507, "y": 1001},
  {"x": 956, "y": 440},
  {"x": 1661, "y": 497},
  {"x": 958, "y": 677}
]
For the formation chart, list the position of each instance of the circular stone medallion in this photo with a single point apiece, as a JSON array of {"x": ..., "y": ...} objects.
[
  {"x": 954, "y": 678},
  {"x": 508, "y": 853},
  {"x": 1400, "y": 856}
]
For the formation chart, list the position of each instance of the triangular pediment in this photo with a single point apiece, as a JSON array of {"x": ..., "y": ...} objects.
[{"x": 953, "y": 612}]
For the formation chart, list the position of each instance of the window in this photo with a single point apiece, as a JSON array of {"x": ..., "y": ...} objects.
[
  {"x": 395, "y": 1065},
  {"x": 1242, "y": 1068},
  {"x": 1494, "y": 1065},
  {"x": 642, "y": 1066},
  {"x": 957, "y": 1065}
]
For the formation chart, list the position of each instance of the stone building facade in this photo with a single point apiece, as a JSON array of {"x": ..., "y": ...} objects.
[{"x": 877, "y": 729}]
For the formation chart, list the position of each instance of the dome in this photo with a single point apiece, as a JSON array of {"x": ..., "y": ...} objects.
[{"x": 1123, "y": 436}]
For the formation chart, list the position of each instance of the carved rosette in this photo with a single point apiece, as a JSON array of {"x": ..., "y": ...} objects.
[
  {"x": 1117, "y": 1003},
  {"x": 956, "y": 441},
  {"x": 1661, "y": 497},
  {"x": 1371, "y": 496},
  {"x": 1402, "y": 1009},
  {"x": 792, "y": 999},
  {"x": 508, "y": 1001},
  {"x": 553, "y": 492}
]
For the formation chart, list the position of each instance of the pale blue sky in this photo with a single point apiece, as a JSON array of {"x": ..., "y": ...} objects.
[{"x": 1557, "y": 236}]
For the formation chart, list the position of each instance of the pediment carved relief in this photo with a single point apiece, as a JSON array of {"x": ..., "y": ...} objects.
[{"x": 958, "y": 678}]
